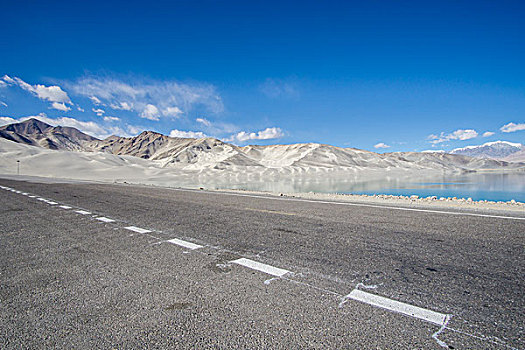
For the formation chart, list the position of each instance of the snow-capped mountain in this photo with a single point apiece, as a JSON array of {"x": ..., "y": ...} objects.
[{"x": 494, "y": 150}]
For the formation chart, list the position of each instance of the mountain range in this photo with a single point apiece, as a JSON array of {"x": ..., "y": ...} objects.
[
  {"x": 503, "y": 150},
  {"x": 210, "y": 153}
]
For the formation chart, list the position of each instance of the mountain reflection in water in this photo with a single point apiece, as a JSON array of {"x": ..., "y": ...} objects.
[{"x": 478, "y": 186}]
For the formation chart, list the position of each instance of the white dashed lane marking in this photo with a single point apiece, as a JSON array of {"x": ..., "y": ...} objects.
[
  {"x": 65, "y": 207},
  {"x": 83, "y": 212},
  {"x": 396, "y": 306},
  {"x": 137, "y": 229},
  {"x": 105, "y": 219},
  {"x": 51, "y": 203},
  {"x": 271, "y": 270},
  {"x": 184, "y": 244}
]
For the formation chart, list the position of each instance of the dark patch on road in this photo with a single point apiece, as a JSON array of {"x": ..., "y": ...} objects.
[
  {"x": 178, "y": 306},
  {"x": 222, "y": 262},
  {"x": 79, "y": 249},
  {"x": 11, "y": 210},
  {"x": 280, "y": 229}
]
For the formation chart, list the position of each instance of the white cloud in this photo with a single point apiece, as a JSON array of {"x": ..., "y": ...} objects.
[
  {"x": 266, "y": 134},
  {"x": 111, "y": 119},
  {"x": 381, "y": 145},
  {"x": 2, "y": 84},
  {"x": 98, "y": 111},
  {"x": 51, "y": 93},
  {"x": 7, "y": 120},
  {"x": 170, "y": 98},
  {"x": 487, "y": 134},
  {"x": 60, "y": 106},
  {"x": 8, "y": 79},
  {"x": 3, "y": 103},
  {"x": 218, "y": 128},
  {"x": 512, "y": 127},
  {"x": 124, "y": 106},
  {"x": 187, "y": 134},
  {"x": 172, "y": 112},
  {"x": 95, "y": 100},
  {"x": 434, "y": 151},
  {"x": 278, "y": 88},
  {"x": 204, "y": 121},
  {"x": 80, "y": 109},
  {"x": 134, "y": 130},
  {"x": 459, "y": 134},
  {"x": 150, "y": 112},
  {"x": 231, "y": 138}
]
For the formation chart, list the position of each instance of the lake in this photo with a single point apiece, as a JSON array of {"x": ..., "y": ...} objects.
[{"x": 478, "y": 186}]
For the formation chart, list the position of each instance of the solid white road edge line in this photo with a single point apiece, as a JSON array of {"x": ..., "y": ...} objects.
[
  {"x": 271, "y": 270},
  {"x": 137, "y": 229},
  {"x": 396, "y": 306},
  {"x": 358, "y": 205},
  {"x": 184, "y": 244}
]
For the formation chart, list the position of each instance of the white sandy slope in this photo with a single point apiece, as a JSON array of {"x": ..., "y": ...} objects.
[
  {"x": 210, "y": 162},
  {"x": 106, "y": 167},
  {"x": 110, "y": 168},
  {"x": 209, "y": 169},
  {"x": 516, "y": 157},
  {"x": 97, "y": 166}
]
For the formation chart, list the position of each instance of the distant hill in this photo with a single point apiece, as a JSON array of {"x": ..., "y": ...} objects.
[
  {"x": 516, "y": 157},
  {"x": 210, "y": 153},
  {"x": 494, "y": 150},
  {"x": 203, "y": 152},
  {"x": 36, "y": 133}
]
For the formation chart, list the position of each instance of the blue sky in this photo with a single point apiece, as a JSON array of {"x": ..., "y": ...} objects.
[{"x": 376, "y": 75}]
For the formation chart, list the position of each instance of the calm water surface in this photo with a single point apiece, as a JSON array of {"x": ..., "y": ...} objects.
[{"x": 494, "y": 187}]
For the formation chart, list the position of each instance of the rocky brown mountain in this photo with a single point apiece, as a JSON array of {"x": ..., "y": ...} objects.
[{"x": 36, "y": 133}]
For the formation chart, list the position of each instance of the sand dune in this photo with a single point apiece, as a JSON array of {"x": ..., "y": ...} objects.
[
  {"x": 96, "y": 166},
  {"x": 516, "y": 157},
  {"x": 208, "y": 169},
  {"x": 150, "y": 157}
]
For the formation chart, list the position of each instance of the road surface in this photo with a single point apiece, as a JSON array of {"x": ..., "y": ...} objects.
[{"x": 120, "y": 266}]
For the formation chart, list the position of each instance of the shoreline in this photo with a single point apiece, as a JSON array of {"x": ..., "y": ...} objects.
[{"x": 405, "y": 201}]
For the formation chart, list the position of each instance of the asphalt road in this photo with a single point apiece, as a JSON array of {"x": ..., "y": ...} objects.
[{"x": 70, "y": 280}]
